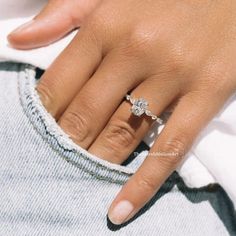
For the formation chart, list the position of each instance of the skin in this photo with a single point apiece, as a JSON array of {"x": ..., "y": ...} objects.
[{"x": 172, "y": 53}]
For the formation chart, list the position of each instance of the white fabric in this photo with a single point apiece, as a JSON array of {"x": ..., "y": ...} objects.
[{"x": 212, "y": 158}]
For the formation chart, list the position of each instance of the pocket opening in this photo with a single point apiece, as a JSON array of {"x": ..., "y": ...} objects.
[{"x": 58, "y": 140}]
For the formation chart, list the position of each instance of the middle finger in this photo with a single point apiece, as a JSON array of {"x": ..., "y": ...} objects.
[{"x": 98, "y": 99}]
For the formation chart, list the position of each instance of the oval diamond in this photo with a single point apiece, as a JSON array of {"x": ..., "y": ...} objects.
[{"x": 139, "y": 107}]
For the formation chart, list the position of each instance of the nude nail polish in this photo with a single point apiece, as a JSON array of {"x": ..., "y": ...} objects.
[{"x": 121, "y": 212}]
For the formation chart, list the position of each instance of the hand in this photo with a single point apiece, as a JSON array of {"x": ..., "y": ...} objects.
[
  {"x": 168, "y": 52},
  {"x": 56, "y": 19}
]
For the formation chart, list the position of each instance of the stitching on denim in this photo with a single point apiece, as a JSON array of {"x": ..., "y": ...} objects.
[{"x": 58, "y": 140}]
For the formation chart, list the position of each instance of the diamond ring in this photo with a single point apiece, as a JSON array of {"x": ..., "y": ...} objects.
[{"x": 139, "y": 107}]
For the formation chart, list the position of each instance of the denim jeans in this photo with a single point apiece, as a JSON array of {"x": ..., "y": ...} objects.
[{"x": 51, "y": 186}]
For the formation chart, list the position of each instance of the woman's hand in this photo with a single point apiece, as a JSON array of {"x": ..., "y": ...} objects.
[{"x": 166, "y": 51}]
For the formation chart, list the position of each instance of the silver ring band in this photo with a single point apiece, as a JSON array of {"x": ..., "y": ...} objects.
[{"x": 139, "y": 107}]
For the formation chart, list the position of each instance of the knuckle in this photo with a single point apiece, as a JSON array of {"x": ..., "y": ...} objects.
[
  {"x": 44, "y": 93},
  {"x": 119, "y": 135},
  {"x": 173, "y": 151},
  {"x": 141, "y": 41},
  {"x": 146, "y": 184},
  {"x": 76, "y": 19},
  {"x": 76, "y": 125},
  {"x": 181, "y": 61}
]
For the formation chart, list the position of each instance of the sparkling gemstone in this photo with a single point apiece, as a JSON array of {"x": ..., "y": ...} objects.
[
  {"x": 139, "y": 106},
  {"x": 148, "y": 113},
  {"x": 128, "y": 97}
]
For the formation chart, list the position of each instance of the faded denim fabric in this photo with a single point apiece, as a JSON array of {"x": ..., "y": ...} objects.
[{"x": 51, "y": 186}]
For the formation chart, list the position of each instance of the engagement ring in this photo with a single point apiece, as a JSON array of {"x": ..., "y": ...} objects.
[{"x": 140, "y": 107}]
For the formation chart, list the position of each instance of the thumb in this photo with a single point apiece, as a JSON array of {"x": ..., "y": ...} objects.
[{"x": 56, "y": 19}]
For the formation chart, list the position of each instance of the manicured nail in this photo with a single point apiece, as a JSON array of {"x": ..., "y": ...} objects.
[
  {"x": 121, "y": 212},
  {"x": 23, "y": 27}
]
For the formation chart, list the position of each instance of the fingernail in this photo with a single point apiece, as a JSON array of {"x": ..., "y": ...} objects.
[
  {"x": 121, "y": 212},
  {"x": 23, "y": 27}
]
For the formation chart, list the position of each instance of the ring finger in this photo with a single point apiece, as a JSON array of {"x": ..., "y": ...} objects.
[{"x": 124, "y": 131}]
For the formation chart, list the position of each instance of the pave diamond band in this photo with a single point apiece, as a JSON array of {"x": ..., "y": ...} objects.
[{"x": 140, "y": 107}]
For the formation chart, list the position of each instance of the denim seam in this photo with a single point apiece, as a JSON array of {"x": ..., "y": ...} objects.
[{"x": 59, "y": 141}]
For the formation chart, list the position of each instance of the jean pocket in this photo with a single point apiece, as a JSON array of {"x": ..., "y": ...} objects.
[{"x": 50, "y": 131}]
